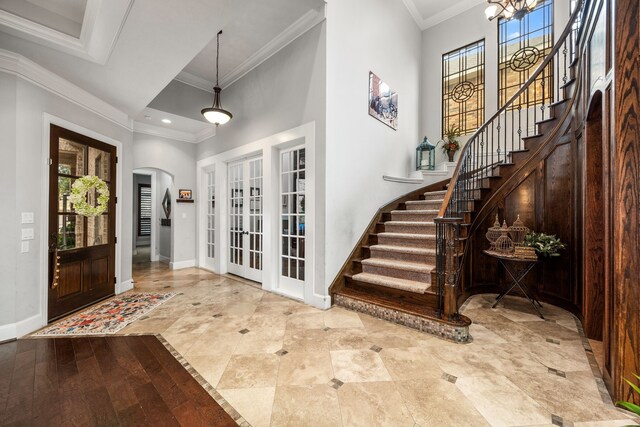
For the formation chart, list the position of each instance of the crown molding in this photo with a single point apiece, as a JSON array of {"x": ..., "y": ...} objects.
[
  {"x": 290, "y": 34},
  {"x": 101, "y": 27},
  {"x": 173, "y": 134},
  {"x": 205, "y": 134},
  {"x": 28, "y": 70},
  {"x": 457, "y": 8},
  {"x": 195, "y": 81}
]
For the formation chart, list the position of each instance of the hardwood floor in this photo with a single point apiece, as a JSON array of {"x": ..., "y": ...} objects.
[{"x": 106, "y": 381}]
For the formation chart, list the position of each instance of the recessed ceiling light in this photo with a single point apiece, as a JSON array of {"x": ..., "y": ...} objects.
[
  {"x": 148, "y": 117},
  {"x": 167, "y": 121}
]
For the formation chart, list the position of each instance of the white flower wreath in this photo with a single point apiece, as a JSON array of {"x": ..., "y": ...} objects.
[{"x": 79, "y": 191}]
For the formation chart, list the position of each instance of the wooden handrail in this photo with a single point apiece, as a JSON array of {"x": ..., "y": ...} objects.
[{"x": 523, "y": 88}]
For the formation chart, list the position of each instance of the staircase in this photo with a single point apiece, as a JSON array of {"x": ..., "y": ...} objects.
[
  {"x": 391, "y": 271},
  {"x": 409, "y": 266}
]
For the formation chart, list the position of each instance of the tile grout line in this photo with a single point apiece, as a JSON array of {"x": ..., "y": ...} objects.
[{"x": 224, "y": 404}]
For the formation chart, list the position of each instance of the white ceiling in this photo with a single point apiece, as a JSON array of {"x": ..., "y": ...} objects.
[
  {"x": 156, "y": 41},
  {"x": 428, "y": 13},
  {"x": 64, "y": 16},
  {"x": 149, "y": 121},
  {"x": 149, "y": 42},
  {"x": 260, "y": 23}
]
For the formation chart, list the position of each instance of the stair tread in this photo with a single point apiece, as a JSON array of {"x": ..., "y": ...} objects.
[
  {"x": 437, "y": 192},
  {"x": 407, "y": 235},
  {"x": 412, "y": 223},
  {"x": 404, "y": 249},
  {"x": 415, "y": 211},
  {"x": 422, "y": 202},
  {"x": 399, "y": 265},
  {"x": 392, "y": 282}
]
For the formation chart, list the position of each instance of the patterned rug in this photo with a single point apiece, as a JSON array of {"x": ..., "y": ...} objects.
[{"x": 108, "y": 317}]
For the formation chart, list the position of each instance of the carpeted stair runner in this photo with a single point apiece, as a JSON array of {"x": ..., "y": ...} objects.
[{"x": 405, "y": 253}]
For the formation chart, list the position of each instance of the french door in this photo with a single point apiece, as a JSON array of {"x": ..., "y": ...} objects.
[
  {"x": 81, "y": 248},
  {"x": 245, "y": 218},
  {"x": 292, "y": 221}
]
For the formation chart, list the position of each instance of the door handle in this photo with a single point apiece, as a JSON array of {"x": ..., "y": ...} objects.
[
  {"x": 54, "y": 260},
  {"x": 55, "y": 276}
]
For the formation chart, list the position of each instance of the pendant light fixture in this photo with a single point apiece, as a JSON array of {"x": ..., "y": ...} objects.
[
  {"x": 216, "y": 114},
  {"x": 509, "y": 9}
]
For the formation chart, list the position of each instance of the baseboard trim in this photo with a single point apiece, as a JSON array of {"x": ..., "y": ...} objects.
[
  {"x": 125, "y": 286},
  {"x": 29, "y": 325},
  {"x": 7, "y": 332},
  {"x": 164, "y": 259},
  {"x": 21, "y": 328},
  {"x": 179, "y": 265}
]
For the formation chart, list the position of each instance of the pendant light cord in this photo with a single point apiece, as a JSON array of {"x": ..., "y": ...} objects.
[{"x": 217, "y": 55}]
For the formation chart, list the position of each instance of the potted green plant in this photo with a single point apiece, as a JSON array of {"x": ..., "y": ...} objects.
[
  {"x": 629, "y": 405},
  {"x": 451, "y": 144},
  {"x": 545, "y": 245}
]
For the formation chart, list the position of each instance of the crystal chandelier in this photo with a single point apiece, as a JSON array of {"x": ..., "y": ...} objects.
[{"x": 509, "y": 9}]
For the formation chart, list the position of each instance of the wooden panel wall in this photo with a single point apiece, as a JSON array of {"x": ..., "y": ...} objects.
[{"x": 627, "y": 197}]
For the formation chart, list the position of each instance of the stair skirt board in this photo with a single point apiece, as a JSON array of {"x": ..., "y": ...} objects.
[{"x": 458, "y": 333}]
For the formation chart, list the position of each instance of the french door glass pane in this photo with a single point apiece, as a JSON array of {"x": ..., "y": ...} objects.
[
  {"x": 64, "y": 191},
  {"x": 211, "y": 220},
  {"x": 98, "y": 163},
  {"x": 236, "y": 213},
  {"x": 97, "y": 230},
  {"x": 70, "y": 232},
  {"x": 292, "y": 224},
  {"x": 71, "y": 157},
  {"x": 255, "y": 213}
]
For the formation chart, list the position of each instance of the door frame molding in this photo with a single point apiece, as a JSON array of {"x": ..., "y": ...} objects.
[
  {"x": 49, "y": 120},
  {"x": 155, "y": 221},
  {"x": 269, "y": 147}
]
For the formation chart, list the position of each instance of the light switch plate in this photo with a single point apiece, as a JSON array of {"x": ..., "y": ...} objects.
[
  {"x": 27, "y": 217},
  {"x": 27, "y": 234},
  {"x": 25, "y": 247}
]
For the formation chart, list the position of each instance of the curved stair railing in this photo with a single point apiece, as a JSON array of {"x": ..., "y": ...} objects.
[{"x": 492, "y": 145}]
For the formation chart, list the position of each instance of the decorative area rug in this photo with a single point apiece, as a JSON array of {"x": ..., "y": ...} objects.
[{"x": 108, "y": 317}]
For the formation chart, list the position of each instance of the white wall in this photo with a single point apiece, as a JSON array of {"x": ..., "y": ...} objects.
[
  {"x": 461, "y": 30},
  {"x": 24, "y": 151},
  {"x": 179, "y": 160},
  {"x": 164, "y": 181},
  {"x": 283, "y": 93},
  {"x": 363, "y": 36},
  {"x": 9, "y": 218}
]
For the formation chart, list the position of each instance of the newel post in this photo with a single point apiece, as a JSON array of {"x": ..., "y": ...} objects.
[{"x": 447, "y": 259}]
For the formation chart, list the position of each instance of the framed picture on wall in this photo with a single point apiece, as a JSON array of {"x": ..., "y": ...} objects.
[
  {"x": 383, "y": 102},
  {"x": 184, "y": 194}
]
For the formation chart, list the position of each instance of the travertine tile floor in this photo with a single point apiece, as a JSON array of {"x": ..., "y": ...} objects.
[{"x": 282, "y": 363}]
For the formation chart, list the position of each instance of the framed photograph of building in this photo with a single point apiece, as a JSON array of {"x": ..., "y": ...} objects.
[{"x": 383, "y": 102}]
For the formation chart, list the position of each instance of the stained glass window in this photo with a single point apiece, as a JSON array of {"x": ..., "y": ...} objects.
[
  {"x": 522, "y": 46},
  {"x": 463, "y": 88}
]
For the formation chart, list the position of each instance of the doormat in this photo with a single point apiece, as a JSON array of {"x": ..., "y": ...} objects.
[{"x": 108, "y": 317}]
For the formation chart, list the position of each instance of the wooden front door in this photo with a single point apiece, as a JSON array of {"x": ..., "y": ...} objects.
[{"x": 81, "y": 248}]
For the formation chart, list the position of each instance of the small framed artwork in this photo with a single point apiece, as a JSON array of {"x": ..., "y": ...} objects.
[
  {"x": 383, "y": 102},
  {"x": 184, "y": 194}
]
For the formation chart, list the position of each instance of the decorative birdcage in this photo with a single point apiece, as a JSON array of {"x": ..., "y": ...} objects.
[
  {"x": 504, "y": 244},
  {"x": 493, "y": 233},
  {"x": 518, "y": 231}
]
